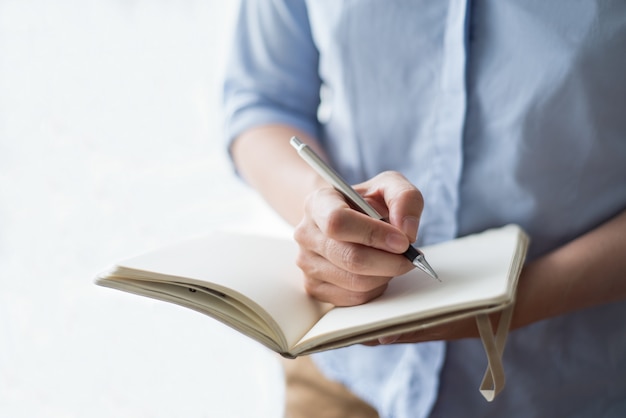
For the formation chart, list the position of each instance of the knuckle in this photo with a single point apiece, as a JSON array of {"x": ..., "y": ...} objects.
[
  {"x": 369, "y": 237},
  {"x": 300, "y": 233},
  {"x": 357, "y": 283},
  {"x": 311, "y": 286},
  {"x": 352, "y": 259},
  {"x": 301, "y": 261},
  {"x": 359, "y": 298},
  {"x": 416, "y": 196},
  {"x": 411, "y": 193},
  {"x": 363, "y": 284},
  {"x": 305, "y": 261},
  {"x": 333, "y": 223},
  {"x": 410, "y": 199}
]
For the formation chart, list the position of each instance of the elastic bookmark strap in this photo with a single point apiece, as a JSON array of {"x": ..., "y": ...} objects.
[{"x": 493, "y": 381}]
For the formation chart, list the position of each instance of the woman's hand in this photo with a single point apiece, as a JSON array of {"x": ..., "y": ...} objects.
[
  {"x": 347, "y": 257},
  {"x": 585, "y": 272}
]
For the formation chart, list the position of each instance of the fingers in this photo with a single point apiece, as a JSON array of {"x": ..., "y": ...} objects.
[
  {"x": 348, "y": 257},
  {"x": 329, "y": 212},
  {"x": 455, "y": 330},
  {"x": 362, "y": 251},
  {"x": 330, "y": 283},
  {"x": 344, "y": 273},
  {"x": 401, "y": 200},
  {"x": 350, "y": 240}
]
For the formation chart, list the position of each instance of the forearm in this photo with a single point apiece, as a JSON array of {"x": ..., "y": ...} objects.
[
  {"x": 589, "y": 271},
  {"x": 266, "y": 160}
]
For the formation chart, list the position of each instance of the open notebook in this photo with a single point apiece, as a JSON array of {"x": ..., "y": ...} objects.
[{"x": 252, "y": 284}]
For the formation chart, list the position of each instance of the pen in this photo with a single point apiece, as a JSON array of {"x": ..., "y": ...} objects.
[{"x": 413, "y": 254}]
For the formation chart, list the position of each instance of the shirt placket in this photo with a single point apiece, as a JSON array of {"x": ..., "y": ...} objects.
[{"x": 447, "y": 160}]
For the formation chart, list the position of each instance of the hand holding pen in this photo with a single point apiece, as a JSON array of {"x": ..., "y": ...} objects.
[{"x": 348, "y": 256}]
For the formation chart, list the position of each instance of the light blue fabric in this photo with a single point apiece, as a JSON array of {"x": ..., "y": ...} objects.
[{"x": 500, "y": 111}]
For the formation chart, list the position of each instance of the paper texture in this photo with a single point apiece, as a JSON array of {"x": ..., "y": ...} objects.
[
  {"x": 474, "y": 272},
  {"x": 260, "y": 269},
  {"x": 255, "y": 281}
]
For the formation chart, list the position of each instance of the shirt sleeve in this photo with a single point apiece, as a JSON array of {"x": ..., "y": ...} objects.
[{"x": 272, "y": 74}]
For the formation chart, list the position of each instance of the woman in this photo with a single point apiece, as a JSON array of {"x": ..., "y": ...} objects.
[{"x": 451, "y": 117}]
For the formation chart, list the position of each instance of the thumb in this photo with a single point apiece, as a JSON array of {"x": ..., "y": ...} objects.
[{"x": 403, "y": 200}]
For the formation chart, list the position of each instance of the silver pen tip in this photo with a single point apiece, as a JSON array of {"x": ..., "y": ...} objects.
[{"x": 421, "y": 263}]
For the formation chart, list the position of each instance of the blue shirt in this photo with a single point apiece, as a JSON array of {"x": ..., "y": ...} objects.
[{"x": 500, "y": 111}]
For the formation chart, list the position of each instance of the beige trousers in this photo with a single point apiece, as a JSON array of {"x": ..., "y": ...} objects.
[{"x": 310, "y": 395}]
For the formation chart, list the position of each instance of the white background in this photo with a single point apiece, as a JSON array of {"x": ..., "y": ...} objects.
[{"x": 110, "y": 145}]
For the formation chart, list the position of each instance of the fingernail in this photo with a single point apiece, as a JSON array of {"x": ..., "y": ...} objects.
[
  {"x": 409, "y": 226},
  {"x": 397, "y": 242},
  {"x": 390, "y": 339}
]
